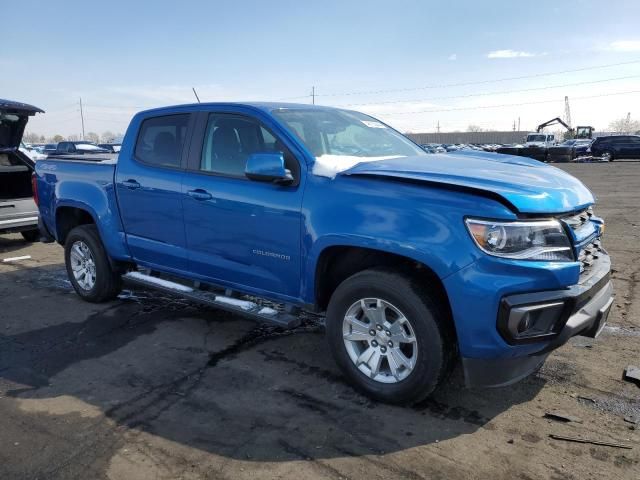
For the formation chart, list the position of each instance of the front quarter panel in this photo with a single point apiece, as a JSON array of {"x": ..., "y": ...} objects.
[{"x": 420, "y": 222}]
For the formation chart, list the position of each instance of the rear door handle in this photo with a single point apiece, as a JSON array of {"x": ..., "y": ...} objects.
[
  {"x": 200, "y": 194},
  {"x": 131, "y": 184}
]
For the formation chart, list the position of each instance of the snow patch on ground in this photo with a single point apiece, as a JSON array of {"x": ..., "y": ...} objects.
[
  {"x": 243, "y": 304},
  {"x": 16, "y": 259},
  {"x": 267, "y": 311},
  {"x": 158, "y": 281},
  {"x": 331, "y": 165}
]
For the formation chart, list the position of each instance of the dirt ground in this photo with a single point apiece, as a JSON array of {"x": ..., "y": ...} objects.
[{"x": 149, "y": 387}]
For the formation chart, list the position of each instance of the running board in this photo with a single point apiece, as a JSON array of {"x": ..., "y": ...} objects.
[{"x": 245, "y": 308}]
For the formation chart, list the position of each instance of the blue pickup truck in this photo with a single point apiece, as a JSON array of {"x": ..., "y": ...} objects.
[{"x": 417, "y": 262}]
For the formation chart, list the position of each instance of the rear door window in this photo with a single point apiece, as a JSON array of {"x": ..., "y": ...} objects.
[{"x": 161, "y": 140}]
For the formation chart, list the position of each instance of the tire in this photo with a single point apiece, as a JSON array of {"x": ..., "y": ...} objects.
[
  {"x": 539, "y": 154},
  {"x": 607, "y": 153},
  {"x": 31, "y": 235},
  {"x": 434, "y": 346},
  {"x": 107, "y": 283},
  {"x": 559, "y": 158},
  {"x": 509, "y": 150},
  {"x": 556, "y": 151}
]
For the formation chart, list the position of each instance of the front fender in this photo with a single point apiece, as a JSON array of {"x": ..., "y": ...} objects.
[{"x": 420, "y": 223}]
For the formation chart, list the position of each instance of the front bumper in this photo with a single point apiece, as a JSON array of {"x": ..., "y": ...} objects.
[{"x": 587, "y": 307}]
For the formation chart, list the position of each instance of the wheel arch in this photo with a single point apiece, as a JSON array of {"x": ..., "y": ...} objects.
[
  {"x": 67, "y": 217},
  {"x": 70, "y": 214},
  {"x": 336, "y": 263}
]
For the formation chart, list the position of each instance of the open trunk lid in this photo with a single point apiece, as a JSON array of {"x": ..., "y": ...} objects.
[{"x": 13, "y": 120}]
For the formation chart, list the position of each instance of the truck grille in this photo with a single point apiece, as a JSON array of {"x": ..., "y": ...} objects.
[
  {"x": 580, "y": 223},
  {"x": 589, "y": 254},
  {"x": 585, "y": 228}
]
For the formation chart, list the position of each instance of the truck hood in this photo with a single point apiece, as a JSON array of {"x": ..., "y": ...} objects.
[
  {"x": 13, "y": 119},
  {"x": 527, "y": 185}
]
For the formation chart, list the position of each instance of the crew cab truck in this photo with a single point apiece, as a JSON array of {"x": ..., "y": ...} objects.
[{"x": 416, "y": 261}]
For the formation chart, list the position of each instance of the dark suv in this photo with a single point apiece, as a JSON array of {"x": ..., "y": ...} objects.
[{"x": 616, "y": 147}]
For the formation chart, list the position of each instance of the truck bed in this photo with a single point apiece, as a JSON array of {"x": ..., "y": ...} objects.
[{"x": 61, "y": 178}]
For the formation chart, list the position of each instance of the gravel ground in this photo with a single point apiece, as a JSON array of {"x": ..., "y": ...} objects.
[{"x": 149, "y": 387}]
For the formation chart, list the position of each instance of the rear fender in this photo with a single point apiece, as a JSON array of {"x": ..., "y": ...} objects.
[{"x": 99, "y": 202}]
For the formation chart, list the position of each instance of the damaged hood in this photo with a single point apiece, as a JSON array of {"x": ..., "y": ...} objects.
[
  {"x": 528, "y": 185},
  {"x": 13, "y": 119}
]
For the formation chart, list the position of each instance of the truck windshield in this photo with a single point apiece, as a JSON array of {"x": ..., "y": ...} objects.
[
  {"x": 536, "y": 138},
  {"x": 345, "y": 136}
]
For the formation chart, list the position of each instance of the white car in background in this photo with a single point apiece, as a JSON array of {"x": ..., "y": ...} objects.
[{"x": 31, "y": 153}]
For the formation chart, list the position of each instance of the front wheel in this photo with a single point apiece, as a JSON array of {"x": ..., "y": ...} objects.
[
  {"x": 607, "y": 156},
  {"x": 389, "y": 336},
  {"x": 88, "y": 266}
]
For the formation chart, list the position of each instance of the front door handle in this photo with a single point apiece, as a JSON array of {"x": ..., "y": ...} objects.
[
  {"x": 131, "y": 184},
  {"x": 200, "y": 194}
]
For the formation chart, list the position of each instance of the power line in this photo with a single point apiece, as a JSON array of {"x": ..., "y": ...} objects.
[
  {"x": 506, "y": 92},
  {"x": 478, "y": 82},
  {"x": 508, "y": 104}
]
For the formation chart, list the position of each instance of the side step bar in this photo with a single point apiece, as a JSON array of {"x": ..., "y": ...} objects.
[{"x": 245, "y": 308}]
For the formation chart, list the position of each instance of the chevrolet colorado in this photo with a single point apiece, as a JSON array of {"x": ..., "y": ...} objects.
[{"x": 416, "y": 261}]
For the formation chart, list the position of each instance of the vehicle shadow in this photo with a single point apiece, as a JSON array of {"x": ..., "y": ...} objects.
[
  {"x": 11, "y": 243},
  {"x": 209, "y": 380}
]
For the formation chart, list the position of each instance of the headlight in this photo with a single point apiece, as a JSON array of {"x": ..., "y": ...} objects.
[{"x": 536, "y": 240}]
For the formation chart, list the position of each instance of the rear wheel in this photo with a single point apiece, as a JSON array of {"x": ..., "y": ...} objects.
[
  {"x": 31, "y": 235},
  {"x": 88, "y": 266},
  {"x": 389, "y": 336}
]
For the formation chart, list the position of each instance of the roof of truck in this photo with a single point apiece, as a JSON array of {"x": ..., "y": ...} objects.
[{"x": 266, "y": 106}]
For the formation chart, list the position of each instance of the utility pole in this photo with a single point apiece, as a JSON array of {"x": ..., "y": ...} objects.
[
  {"x": 82, "y": 118},
  {"x": 313, "y": 95},
  {"x": 518, "y": 123},
  {"x": 438, "y": 126},
  {"x": 514, "y": 125}
]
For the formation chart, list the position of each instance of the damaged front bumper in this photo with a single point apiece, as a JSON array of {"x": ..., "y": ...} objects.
[{"x": 581, "y": 309}]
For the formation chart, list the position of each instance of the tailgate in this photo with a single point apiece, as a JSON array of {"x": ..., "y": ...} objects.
[{"x": 18, "y": 213}]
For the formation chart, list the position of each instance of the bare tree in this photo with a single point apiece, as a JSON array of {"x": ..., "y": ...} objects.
[
  {"x": 92, "y": 137},
  {"x": 624, "y": 125},
  {"x": 57, "y": 138},
  {"x": 108, "y": 136},
  {"x": 474, "y": 128},
  {"x": 31, "y": 137}
]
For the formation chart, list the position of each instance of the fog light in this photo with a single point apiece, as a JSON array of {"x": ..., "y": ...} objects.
[
  {"x": 525, "y": 323},
  {"x": 532, "y": 321}
]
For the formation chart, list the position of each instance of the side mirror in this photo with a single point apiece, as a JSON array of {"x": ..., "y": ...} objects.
[{"x": 268, "y": 167}]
